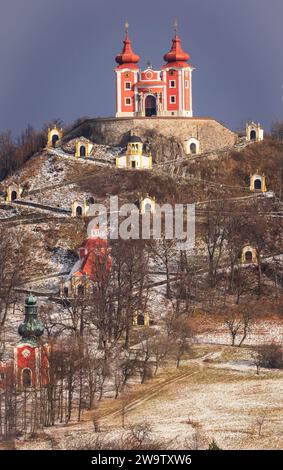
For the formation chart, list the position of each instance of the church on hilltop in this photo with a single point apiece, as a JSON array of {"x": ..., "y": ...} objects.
[
  {"x": 149, "y": 92},
  {"x": 154, "y": 104}
]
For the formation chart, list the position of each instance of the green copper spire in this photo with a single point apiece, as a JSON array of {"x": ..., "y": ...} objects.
[{"x": 32, "y": 328}]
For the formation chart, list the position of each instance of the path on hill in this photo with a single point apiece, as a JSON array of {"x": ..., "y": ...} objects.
[
  {"x": 92, "y": 160},
  {"x": 44, "y": 207},
  {"x": 31, "y": 219},
  {"x": 238, "y": 147},
  {"x": 53, "y": 296},
  {"x": 151, "y": 393}
]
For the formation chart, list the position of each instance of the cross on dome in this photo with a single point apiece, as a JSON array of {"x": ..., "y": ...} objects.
[
  {"x": 176, "y": 26},
  {"x": 127, "y": 57}
]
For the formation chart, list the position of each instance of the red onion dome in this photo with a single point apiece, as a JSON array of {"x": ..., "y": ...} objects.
[
  {"x": 127, "y": 56},
  {"x": 176, "y": 54}
]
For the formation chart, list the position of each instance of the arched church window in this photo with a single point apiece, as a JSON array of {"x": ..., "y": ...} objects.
[{"x": 193, "y": 148}]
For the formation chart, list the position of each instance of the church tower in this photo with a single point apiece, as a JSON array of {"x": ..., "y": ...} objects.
[
  {"x": 177, "y": 74},
  {"x": 30, "y": 357},
  {"x": 126, "y": 77},
  {"x": 149, "y": 92}
]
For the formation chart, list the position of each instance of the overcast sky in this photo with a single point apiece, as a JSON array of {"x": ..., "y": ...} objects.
[{"x": 57, "y": 56}]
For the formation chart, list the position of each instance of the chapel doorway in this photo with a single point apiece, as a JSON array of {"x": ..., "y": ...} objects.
[
  {"x": 55, "y": 138},
  {"x": 257, "y": 185},
  {"x": 82, "y": 151},
  {"x": 14, "y": 195},
  {"x": 253, "y": 135},
  {"x": 150, "y": 106},
  {"x": 26, "y": 378}
]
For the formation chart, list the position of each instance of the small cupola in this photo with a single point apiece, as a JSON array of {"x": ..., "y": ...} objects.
[{"x": 135, "y": 145}]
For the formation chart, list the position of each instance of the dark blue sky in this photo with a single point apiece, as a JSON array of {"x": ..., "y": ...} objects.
[{"x": 57, "y": 56}]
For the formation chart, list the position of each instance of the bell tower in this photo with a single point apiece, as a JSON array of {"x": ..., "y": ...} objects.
[
  {"x": 177, "y": 74},
  {"x": 30, "y": 357},
  {"x": 126, "y": 77}
]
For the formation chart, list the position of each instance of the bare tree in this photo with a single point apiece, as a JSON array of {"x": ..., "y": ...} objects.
[
  {"x": 260, "y": 420},
  {"x": 14, "y": 258},
  {"x": 214, "y": 237},
  {"x": 164, "y": 253},
  {"x": 183, "y": 335},
  {"x": 238, "y": 320}
]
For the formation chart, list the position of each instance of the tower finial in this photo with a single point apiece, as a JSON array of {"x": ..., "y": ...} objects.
[
  {"x": 176, "y": 26},
  {"x": 126, "y": 26}
]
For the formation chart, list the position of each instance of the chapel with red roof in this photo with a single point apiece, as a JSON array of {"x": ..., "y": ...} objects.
[{"x": 145, "y": 93}]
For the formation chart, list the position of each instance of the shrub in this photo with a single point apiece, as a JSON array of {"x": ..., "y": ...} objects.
[
  {"x": 270, "y": 356},
  {"x": 213, "y": 446}
]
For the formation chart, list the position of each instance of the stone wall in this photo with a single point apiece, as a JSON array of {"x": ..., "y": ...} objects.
[{"x": 166, "y": 134}]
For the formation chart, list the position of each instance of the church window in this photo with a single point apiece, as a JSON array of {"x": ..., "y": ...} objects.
[
  {"x": 128, "y": 85},
  {"x": 2, "y": 375},
  {"x": 172, "y": 99},
  {"x": 128, "y": 101},
  {"x": 186, "y": 83},
  {"x": 172, "y": 84}
]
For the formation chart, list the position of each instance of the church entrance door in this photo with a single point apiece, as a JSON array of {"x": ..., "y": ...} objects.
[{"x": 150, "y": 106}]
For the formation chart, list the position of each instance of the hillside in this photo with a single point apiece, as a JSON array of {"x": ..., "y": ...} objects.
[{"x": 203, "y": 292}]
